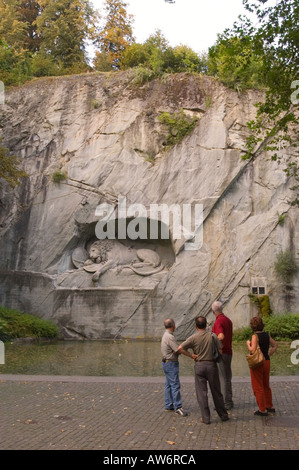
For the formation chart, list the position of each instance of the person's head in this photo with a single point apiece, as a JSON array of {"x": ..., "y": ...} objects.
[
  {"x": 257, "y": 324},
  {"x": 217, "y": 307},
  {"x": 201, "y": 323},
  {"x": 169, "y": 324}
]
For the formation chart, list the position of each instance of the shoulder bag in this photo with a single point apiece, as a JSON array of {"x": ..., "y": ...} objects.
[{"x": 257, "y": 358}]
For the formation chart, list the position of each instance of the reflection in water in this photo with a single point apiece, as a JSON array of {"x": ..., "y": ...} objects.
[{"x": 117, "y": 358}]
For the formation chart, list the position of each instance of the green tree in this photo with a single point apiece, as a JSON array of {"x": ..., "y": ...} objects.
[
  {"x": 28, "y": 11},
  {"x": 17, "y": 24},
  {"x": 17, "y": 39},
  {"x": 115, "y": 36},
  {"x": 14, "y": 64},
  {"x": 44, "y": 37},
  {"x": 158, "y": 48},
  {"x": 12, "y": 29},
  {"x": 10, "y": 167},
  {"x": 157, "y": 56},
  {"x": 134, "y": 55},
  {"x": 186, "y": 60},
  {"x": 65, "y": 26},
  {"x": 274, "y": 44},
  {"x": 234, "y": 61}
]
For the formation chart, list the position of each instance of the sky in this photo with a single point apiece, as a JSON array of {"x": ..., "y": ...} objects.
[{"x": 194, "y": 23}]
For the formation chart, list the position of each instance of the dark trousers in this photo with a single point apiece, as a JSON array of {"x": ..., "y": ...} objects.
[
  {"x": 225, "y": 377},
  {"x": 206, "y": 372}
]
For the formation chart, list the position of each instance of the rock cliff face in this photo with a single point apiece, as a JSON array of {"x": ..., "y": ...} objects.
[{"x": 103, "y": 133}]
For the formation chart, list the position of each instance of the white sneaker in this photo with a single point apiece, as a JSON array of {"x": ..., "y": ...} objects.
[{"x": 181, "y": 412}]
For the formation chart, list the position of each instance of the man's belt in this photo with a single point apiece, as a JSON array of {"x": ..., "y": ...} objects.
[
  {"x": 169, "y": 360},
  {"x": 204, "y": 360}
]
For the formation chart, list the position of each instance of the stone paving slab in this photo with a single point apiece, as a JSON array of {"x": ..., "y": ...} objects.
[{"x": 127, "y": 413}]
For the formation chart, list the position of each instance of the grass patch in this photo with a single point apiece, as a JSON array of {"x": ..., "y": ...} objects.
[{"x": 15, "y": 324}]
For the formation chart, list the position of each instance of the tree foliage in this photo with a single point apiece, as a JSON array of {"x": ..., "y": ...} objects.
[
  {"x": 115, "y": 36},
  {"x": 157, "y": 56},
  {"x": 45, "y": 37},
  {"x": 64, "y": 26},
  {"x": 10, "y": 168},
  {"x": 13, "y": 28},
  {"x": 50, "y": 37},
  {"x": 234, "y": 61},
  {"x": 265, "y": 55}
]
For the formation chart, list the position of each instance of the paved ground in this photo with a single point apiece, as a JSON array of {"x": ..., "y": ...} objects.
[{"x": 123, "y": 413}]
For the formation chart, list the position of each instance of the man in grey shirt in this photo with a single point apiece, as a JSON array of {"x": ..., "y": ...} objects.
[
  {"x": 170, "y": 364},
  {"x": 206, "y": 370}
]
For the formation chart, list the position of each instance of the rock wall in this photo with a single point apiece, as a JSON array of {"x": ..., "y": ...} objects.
[{"x": 102, "y": 131}]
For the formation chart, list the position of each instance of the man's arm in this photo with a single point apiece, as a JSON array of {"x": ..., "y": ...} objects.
[{"x": 186, "y": 353}]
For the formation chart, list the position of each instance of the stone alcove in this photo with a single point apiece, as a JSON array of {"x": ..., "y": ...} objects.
[{"x": 120, "y": 260}]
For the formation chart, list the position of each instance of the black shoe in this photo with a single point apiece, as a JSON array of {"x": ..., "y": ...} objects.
[
  {"x": 224, "y": 418},
  {"x": 181, "y": 412},
  {"x": 260, "y": 413},
  {"x": 169, "y": 409},
  {"x": 270, "y": 410}
]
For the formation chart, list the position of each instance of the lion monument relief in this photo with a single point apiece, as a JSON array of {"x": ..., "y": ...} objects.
[{"x": 106, "y": 254}]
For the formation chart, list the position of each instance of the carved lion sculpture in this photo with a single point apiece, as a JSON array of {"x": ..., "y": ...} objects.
[{"x": 104, "y": 255}]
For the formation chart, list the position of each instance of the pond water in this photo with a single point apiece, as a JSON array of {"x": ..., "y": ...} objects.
[{"x": 117, "y": 358}]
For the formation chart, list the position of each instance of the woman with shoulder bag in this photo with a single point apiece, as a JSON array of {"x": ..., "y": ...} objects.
[{"x": 260, "y": 376}]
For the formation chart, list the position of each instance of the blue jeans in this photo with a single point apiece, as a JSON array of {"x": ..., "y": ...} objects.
[{"x": 172, "y": 385}]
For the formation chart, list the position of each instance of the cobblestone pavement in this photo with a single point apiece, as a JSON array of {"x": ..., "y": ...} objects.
[{"x": 126, "y": 413}]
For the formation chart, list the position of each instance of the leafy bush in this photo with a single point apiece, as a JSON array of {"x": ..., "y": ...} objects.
[
  {"x": 280, "y": 327},
  {"x": 15, "y": 324},
  {"x": 179, "y": 125},
  {"x": 58, "y": 176},
  {"x": 142, "y": 75},
  {"x": 285, "y": 266},
  {"x": 263, "y": 304},
  {"x": 283, "y": 327}
]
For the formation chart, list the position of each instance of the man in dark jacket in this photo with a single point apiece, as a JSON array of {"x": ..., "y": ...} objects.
[{"x": 206, "y": 371}]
